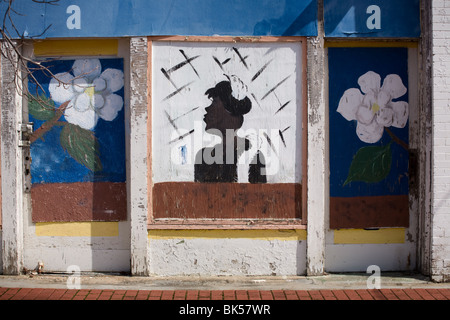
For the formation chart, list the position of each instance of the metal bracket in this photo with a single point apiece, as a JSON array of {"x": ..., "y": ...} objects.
[
  {"x": 25, "y": 132},
  {"x": 25, "y": 129}
]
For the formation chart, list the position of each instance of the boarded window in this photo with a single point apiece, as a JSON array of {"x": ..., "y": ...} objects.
[
  {"x": 369, "y": 136},
  {"x": 78, "y": 144},
  {"x": 226, "y": 135}
]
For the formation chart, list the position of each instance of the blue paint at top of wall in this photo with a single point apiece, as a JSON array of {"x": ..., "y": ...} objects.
[
  {"x": 115, "y": 18},
  {"x": 348, "y": 18}
]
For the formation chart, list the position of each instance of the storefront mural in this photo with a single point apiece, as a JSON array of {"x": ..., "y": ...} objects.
[
  {"x": 78, "y": 143},
  {"x": 226, "y": 117},
  {"x": 369, "y": 114}
]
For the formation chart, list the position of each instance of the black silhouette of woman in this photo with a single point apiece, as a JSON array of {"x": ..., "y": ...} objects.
[{"x": 224, "y": 114}]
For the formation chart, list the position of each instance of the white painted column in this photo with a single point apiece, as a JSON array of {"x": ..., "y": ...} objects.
[
  {"x": 138, "y": 167},
  {"x": 11, "y": 167},
  {"x": 440, "y": 217},
  {"x": 317, "y": 152}
]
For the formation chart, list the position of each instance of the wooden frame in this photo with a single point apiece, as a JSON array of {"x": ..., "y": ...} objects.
[{"x": 230, "y": 223}]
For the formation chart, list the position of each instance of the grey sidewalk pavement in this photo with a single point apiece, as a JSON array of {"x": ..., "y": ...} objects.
[
  {"x": 187, "y": 297},
  {"x": 105, "y": 281}
]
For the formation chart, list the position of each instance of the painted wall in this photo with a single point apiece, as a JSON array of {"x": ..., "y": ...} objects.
[
  {"x": 108, "y": 246},
  {"x": 77, "y": 208}
]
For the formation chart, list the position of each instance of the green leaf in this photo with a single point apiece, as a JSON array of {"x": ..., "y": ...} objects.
[
  {"x": 41, "y": 108},
  {"x": 82, "y": 145},
  {"x": 370, "y": 164}
]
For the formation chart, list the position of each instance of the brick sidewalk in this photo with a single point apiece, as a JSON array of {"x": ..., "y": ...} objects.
[{"x": 98, "y": 294}]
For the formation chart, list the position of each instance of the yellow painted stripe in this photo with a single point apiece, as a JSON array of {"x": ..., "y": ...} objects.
[
  {"x": 77, "y": 229},
  {"x": 105, "y": 47},
  {"x": 231, "y": 234},
  {"x": 369, "y": 44},
  {"x": 359, "y": 236}
]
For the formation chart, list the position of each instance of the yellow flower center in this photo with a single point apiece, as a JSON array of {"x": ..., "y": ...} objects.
[
  {"x": 375, "y": 108},
  {"x": 90, "y": 91}
]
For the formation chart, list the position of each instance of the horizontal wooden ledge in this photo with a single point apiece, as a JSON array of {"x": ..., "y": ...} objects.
[
  {"x": 191, "y": 224},
  {"x": 254, "y": 234},
  {"x": 250, "y": 39}
]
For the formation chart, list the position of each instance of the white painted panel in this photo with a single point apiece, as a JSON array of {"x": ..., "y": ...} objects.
[
  {"x": 210, "y": 257},
  {"x": 357, "y": 257},
  {"x": 272, "y": 75},
  {"x": 85, "y": 258},
  {"x": 89, "y": 253}
]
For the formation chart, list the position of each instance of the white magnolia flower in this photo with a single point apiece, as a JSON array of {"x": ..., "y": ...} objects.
[
  {"x": 90, "y": 92},
  {"x": 375, "y": 109}
]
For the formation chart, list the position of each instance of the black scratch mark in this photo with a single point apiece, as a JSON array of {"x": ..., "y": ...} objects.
[
  {"x": 187, "y": 112},
  {"x": 221, "y": 64},
  {"x": 283, "y": 106},
  {"x": 187, "y": 59},
  {"x": 260, "y": 71},
  {"x": 281, "y": 135},
  {"x": 274, "y": 88},
  {"x": 168, "y": 77},
  {"x": 269, "y": 141},
  {"x": 285, "y": 129},
  {"x": 256, "y": 100},
  {"x": 240, "y": 57},
  {"x": 178, "y": 66},
  {"x": 181, "y": 137},
  {"x": 172, "y": 122},
  {"x": 177, "y": 91},
  {"x": 218, "y": 62}
]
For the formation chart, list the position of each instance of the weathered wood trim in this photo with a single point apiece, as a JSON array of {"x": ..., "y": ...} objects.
[
  {"x": 425, "y": 161},
  {"x": 317, "y": 177},
  {"x": 11, "y": 167},
  {"x": 138, "y": 175}
]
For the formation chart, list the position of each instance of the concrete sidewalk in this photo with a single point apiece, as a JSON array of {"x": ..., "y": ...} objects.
[{"x": 93, "y": 286}]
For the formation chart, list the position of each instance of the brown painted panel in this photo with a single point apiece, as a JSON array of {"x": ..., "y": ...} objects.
[
  {"x": 191, "y": 200},
  {"x": 80, "y": 201},
  {"x": 369, "y": 212}
]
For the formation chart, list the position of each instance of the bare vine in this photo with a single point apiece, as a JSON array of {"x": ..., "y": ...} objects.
[{"x": 12, "y": 42}]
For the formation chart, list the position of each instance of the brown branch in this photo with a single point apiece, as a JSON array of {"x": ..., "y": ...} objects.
[
  {"x": 397, "y": 139},
  {"x": 46, "y": 126}
]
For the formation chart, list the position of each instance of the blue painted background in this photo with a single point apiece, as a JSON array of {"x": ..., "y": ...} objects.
[
  {"x": 114, "y": 18},
  {"x": 346, "y": 65},
  {"x": 347, "y": 18},
  {"x": 51, "y": 164}
]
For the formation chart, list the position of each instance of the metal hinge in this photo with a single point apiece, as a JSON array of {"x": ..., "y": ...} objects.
[{"x": 26, "y": 130}]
